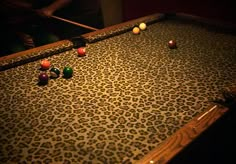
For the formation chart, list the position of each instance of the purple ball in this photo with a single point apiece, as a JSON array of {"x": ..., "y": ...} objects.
[{"x": 43, "y": 78}]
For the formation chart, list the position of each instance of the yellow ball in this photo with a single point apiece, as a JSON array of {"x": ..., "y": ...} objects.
[
  {"x": 142, "y": 26},
  {"x": 136, "y": 30}
]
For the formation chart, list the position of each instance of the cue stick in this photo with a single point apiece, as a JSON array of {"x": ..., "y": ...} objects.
[{"x": 75, "y": 23}]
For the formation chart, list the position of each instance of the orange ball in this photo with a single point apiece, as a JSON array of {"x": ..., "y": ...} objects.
[
  {"x": 45, "y": 64},
  {"x": 136, "y": 30}
]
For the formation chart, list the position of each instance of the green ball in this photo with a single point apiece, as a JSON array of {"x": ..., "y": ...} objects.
[{"x": 67, "y": 72}]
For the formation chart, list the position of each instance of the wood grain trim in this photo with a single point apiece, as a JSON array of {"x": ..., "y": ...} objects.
[{"x": 169, "y": 148}]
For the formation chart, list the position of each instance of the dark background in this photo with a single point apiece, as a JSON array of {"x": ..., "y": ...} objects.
[
  {"x": 219, "y": 10},
  {"x": 104, "y": 13}
]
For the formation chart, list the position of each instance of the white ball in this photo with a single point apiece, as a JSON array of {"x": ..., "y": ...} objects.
[{"x": 142, "y": 26}]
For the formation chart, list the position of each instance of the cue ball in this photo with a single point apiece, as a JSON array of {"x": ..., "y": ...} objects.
[
  {"x": 67, "y": 72},
  {"x": 136, "y": 30},
  {"x": 43, "y": 78},
  {"x": 45, "y": 64},
  {"x": 142, "y": 26},
  {"x": 172, "y": 44},
  {"x": 54, "y": 72},
  {"x": 81, "y": 51}
]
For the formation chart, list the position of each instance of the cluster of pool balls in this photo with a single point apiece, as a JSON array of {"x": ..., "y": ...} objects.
[
  {"x": 142, "y": 26},
  {"x": 54, "y": 72},
  {"x": 136, "y": 30}
]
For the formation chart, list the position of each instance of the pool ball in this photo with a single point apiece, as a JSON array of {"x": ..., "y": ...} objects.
[
  {"x": 172, "y": 44},
  {"x": 67, "y": 72},
  {"x": 136, "y": 30},
  {"x": 81, "y": 51},
  {"x": 142, "y": 26},
  {"x": 45, "y": 64},
  {"x": 54, "y": 72},
  {"x": 43, "y": 78}
]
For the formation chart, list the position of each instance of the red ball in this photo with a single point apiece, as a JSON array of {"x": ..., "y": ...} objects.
[
  {"x": 81, "y": 51},
  {"x": 45, "y": 64},
  {"x": 172, "y": 44}
]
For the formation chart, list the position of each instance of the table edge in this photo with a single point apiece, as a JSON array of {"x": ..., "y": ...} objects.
[{"x": 174, "y": 144}]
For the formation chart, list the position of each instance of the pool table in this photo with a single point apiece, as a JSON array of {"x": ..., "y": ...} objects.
[{"x": 131, "y": 98}]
